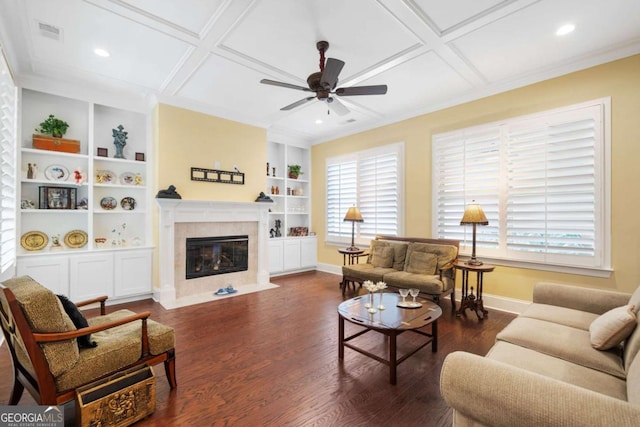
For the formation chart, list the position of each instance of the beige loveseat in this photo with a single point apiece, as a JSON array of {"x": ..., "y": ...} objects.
[
  {"x": 543, "y": 369},
  {"x": 408, "y": 262}
]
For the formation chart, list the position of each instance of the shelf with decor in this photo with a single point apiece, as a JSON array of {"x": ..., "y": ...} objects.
[
  {"x": 106, "y": 164},
  {"x": 291, "y": 246}
]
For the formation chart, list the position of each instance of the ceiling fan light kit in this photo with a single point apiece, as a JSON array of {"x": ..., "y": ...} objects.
[{"x": 323, "y": 83}]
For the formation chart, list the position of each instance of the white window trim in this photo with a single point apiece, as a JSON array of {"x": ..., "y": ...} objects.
[
  {"x": 355, "y": 156},
  {"x": 604, "y": 189}
]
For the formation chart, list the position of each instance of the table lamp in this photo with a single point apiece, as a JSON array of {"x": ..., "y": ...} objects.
[
  {"x": 474, "y": 215},
  {"x": 353, "y": 215}
]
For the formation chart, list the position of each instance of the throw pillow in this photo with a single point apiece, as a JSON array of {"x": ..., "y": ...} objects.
[
  {"x": 382, "y": 256},
  {"x": 422, "y": 263},
  {"x": 635, "y": 299},
  {"x": 613, "y": 327},
  {"x": 78, "y": 320}
]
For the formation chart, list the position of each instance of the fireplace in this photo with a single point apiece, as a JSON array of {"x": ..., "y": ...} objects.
[{"x": 208, "y": 256}]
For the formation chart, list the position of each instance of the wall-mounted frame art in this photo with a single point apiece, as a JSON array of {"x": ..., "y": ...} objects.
[
  {"x": 140, "y": 157},
  {"x": 57, "y": 197},
  {"x": 103, "y": 152},
  {"x": 215, "y": 175}
]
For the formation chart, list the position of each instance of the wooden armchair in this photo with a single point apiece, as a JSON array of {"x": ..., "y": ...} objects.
[{"x": 42, "y": 340}]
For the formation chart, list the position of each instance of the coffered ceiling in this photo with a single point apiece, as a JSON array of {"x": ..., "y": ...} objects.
[{"x": 210, "y": 55}]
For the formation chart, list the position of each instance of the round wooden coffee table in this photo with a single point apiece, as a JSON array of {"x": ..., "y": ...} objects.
[{"x": 392, "y": 321}]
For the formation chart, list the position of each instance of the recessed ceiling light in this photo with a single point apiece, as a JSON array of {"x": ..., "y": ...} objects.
[
  {"x": 318, "y": 121},
  {"x": 101, "y": 52},
  {"x": 565, "y": 29}
]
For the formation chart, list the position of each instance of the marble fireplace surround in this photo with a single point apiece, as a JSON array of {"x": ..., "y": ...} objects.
[{"x": 180, "y": 219}]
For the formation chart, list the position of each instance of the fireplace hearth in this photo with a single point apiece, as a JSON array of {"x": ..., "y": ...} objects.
[{"x": 208, "y": 256}]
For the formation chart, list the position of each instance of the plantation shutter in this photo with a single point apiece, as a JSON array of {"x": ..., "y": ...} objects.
[
  {"x": 541, "y": 181},
  {"x": 8, "y": 122},
  {"x": 552, "y": 197},
  {"x": 372, "y": 181}
]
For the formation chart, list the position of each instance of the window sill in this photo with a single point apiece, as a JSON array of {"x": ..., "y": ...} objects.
[{"x": 582, "y": 271}]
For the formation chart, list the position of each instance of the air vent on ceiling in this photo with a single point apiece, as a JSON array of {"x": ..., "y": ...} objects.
[{"x": 50, "y": 31}]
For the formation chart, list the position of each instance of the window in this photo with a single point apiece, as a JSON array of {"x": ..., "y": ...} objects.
[
  {"x": 542, "y": 180},
  {"x": 8, "y": 122},
  {"x": 372, "y": 180}
]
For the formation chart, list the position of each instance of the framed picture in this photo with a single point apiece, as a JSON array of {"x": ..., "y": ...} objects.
[
  {"x": 140, "y": 157},
  {"x": 57, "y": 197},
  {"x": 103, "y": 152}
]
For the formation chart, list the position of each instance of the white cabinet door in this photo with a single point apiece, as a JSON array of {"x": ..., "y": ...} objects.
[
  {"x": 50, "y": 271},
  {"x": 133, "y": 272},
  {"x": 90, "y": 276},
  {"x": 291, "y": 254},
  {"x": 276, "y": 263},
  {"x": 308, "y": 252}
]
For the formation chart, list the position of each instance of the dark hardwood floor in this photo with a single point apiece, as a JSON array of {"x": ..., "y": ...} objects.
[{"x": 271, "y": 359}]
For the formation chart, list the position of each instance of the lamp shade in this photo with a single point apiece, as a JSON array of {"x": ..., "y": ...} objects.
[
  {"x": 353, "y": 214},
  {"x": 473, "y": 214}
]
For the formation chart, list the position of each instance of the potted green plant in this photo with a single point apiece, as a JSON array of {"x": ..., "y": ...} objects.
[
  {"x": 294, "y": 171},
  {"x": 53, "y": 126}
]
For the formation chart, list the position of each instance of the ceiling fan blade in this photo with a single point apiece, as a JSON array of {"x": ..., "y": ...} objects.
[
  {"x": 330, "y": 74},
  {"x": 297, "y": 103},
  {"x": 287, "y": 85},
  {"x": 337, "y": 107},
  {"x": 362, "y": 90}
]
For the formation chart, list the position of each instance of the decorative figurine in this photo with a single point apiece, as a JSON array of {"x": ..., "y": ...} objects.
[
  {"x": 267, "y": 168},
  {"x": 263, "y": 198},
  {"x": 55, "y": 242},
  {"x": 274, "y": 172},
  {"x": 78, "y": 176},
  {"x": 278, "y": 225},
  {"x": 119, "y": 140},
  {"x": 29, "y": 171},
  {"x": 169, "y": 193}
]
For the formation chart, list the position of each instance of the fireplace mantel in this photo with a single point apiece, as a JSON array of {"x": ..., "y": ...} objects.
[{"x": 176, "y": 211}]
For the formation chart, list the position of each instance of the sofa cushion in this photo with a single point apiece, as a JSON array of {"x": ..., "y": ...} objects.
[
  {"x": 421, "y": 263},
  {"x": 445, "y": 253},
  {"x": 117, "y": 348},
  {"x": 399, "y": 251},
  {"x": 382, "y": 256},
  {"x": 45, "y": 313},
  {"x": 632, "y": 346},
  {"x": 613, "y": 327},
  {"x": 558, "y": 369},
  {"x": 426, "y": 283},
  {"x": 633, "y": 382},
  {"x": 635, "y": 299},
  {"x": 365, "y": 272},
  {"x": 575, "y": 344},
  {"x": 561, "y": 315}
]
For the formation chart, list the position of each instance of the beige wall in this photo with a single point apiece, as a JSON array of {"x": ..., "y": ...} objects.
[
  {"x": 185, "y": 139},
  {"x": 620, "y": 80}
]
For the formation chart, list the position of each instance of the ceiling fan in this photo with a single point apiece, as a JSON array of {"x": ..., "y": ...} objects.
[{"x": 324, "y": 82}]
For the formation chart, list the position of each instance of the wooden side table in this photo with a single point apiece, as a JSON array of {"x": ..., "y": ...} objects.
[
  {"x": 468, "y": 300},
  {"x": 350, "y": 255}
]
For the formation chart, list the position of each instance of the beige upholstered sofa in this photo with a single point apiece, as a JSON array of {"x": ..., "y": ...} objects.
[
  {"x": 544, "y": 370},
  {"x": 43, "y": 342},
  {"x": 408, "y": 262}
]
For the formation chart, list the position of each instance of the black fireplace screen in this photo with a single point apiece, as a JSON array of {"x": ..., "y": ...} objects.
[{"x": 207, "y": 256}]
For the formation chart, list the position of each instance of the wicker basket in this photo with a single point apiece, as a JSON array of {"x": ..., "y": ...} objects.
[{"x": 119, "y": 400}]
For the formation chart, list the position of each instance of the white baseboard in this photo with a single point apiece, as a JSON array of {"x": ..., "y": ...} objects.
[{"x": 495, "y": 302}]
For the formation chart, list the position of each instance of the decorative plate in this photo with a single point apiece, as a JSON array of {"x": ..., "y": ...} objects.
[
  {"x": 128, "y": 203},
  {"x": 34, "y": 240},
  {"x": 108, "y": 203},
  {"x": 75, "y": 239},
  {"x": 105, "y": 177},
  {"x": 409, "y": 304},
  {"x": 128, "y": 178},
  {"x": 56, "y": 173}
]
